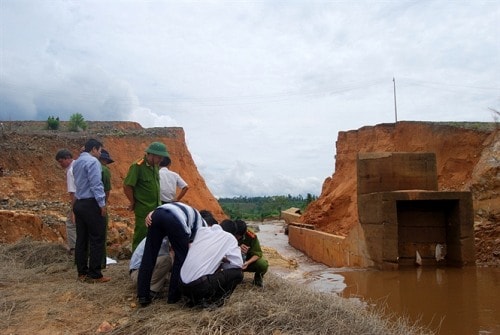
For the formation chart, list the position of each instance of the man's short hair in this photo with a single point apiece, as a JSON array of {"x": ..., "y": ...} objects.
[
  {"x": 208, "y": 217},
  {"x": 241, "y": 227},
  {"x": 237, "y": 227},
  {"x": 91, "y": 144},
  {"x": 63, "y": 154},
  {"x": 165, "y": 161}
]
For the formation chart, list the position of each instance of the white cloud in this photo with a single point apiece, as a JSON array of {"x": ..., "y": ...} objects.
[{"x": 260, "y": 88}]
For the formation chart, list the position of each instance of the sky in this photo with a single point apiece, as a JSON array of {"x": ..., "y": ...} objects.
[{"x": 261, "y": 88}]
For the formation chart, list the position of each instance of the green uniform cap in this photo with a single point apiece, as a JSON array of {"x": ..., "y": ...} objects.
[{"x": 158, "y": 148}]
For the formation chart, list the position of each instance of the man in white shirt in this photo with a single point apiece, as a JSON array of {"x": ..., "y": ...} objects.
[
  {"x": 65, "y": 159},
  {"x": 169, "y": 182},
  {"x": 212, "y": 268}
]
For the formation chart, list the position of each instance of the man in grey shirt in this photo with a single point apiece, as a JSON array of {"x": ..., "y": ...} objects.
[{"x": 160, "y": 272}]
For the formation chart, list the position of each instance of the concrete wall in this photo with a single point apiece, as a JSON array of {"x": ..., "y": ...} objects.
[
  {"x": 400, "y": 213},
  {"x": 392, "y": 171},
  {"x": 388, "y": 240},
  {"x": 332, "y": 250}
]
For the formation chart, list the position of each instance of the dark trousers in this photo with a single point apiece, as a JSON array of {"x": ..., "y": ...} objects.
[
  {"x": 214, "y": 288},
  {"x": 90, "y": 237},
  {"x": 163, "y": 224}
]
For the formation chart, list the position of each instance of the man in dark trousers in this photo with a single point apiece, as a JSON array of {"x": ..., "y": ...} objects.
[
  {"x": 105, "y": 160},
  {"x": 90, "y": 213},
  {"x": 179, "y": 222},
  {"x": 212, "y": 268}
]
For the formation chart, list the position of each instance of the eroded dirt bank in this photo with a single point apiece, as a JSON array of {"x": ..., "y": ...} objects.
[
  {"x": 34, "y": 200},
  {"x": 33, "y": 186},
  {"x": 468, "y": 159}
]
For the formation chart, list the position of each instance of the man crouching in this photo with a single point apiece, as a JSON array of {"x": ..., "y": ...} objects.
[{"x": 212, "y": 268}]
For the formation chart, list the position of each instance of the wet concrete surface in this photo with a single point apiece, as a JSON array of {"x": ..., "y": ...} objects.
[
  {"x": 317, "y": 276},
  {"x": 455, "y": 301}
]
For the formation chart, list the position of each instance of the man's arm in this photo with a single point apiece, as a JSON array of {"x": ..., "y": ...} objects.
[
  {"x": 72, "y": 199},
  {"x": 129, "y": 193},
  {"x": 182, "y": 193}
]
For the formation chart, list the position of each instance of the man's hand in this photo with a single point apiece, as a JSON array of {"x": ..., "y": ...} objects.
[
  {"x": 244, "y": 248},
  {"x": 148, "y": 219}
]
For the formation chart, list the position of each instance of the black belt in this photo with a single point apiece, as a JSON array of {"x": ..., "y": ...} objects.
[
  {"x": 85, "y": 199},
  {"x": 198, "y": 281}
]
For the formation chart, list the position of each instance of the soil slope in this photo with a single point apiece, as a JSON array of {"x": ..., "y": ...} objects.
[
  {"x": 33, "y": 186},
  {"x": 468, "y": 159},
  {"x": 33, "y": 199}
]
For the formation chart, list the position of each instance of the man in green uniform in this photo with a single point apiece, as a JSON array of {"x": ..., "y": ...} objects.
[
  {"x": 253, "y": 259},
  {"x": 105, "y": 159},
  {"x": 142, "y": 187}
]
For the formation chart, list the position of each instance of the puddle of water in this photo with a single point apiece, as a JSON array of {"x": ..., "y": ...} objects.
[{"x": 454, "y": 301}]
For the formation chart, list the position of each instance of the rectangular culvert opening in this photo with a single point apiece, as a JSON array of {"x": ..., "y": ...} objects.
[{"x": 427, "y": 230}]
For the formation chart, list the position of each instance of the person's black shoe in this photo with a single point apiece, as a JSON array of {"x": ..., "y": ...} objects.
[
  {"x": 210, "y": 304},
  {"x": 144, "y": 301},
  {"x": 258, "y": 281},
  {"x": 172, "y": 300}
]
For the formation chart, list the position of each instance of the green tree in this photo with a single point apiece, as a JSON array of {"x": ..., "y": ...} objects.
[
  {"x": 309, "y": 198},
  {"x": 260, "y": 208},
  {"x": 53, "y": 123},
  {"x": 77, "y": 122}
]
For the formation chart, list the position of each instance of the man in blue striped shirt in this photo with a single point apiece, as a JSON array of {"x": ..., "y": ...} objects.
[
  {"x": 179, "y": 222},
  {"x": 90, "y": 213}
]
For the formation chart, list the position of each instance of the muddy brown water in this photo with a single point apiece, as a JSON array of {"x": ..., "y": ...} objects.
[{"x": 450, "y": 301}]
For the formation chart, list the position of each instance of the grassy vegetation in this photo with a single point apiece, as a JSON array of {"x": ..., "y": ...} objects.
[
  {"x": 480, "y": 126},
  {"x": 40, "y": 294},
  {"x": 260, "y": 208}
]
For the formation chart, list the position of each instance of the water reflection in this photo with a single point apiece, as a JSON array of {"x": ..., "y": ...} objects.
[{"x": 452, "y": 301}]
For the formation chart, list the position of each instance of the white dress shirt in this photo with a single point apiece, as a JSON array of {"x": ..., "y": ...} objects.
[
  {"x": 210, "y": 247},
  {"x": 169, "y": 181},
  {"x": 70, "y": 179}
]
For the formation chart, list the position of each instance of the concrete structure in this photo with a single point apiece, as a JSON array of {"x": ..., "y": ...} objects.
[
  {"x": 291, "y": 214},
  {"x": 403, "y": 219}
]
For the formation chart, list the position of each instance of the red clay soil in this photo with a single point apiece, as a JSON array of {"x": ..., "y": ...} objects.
[{"x": 33, "y": 186}]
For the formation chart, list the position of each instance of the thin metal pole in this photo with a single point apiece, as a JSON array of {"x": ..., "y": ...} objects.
[{"x": 395, "y": 105}]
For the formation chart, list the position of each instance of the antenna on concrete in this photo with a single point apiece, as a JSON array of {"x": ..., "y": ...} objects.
[{"x": 395, "y": 105}]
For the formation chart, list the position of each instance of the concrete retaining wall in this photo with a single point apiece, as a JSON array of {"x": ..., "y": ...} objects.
[
  {"x": 401, "y": 215},
  {"x": 332, "y": 250}
]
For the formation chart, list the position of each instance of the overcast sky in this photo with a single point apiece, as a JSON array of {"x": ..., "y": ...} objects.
[{"x": 261, "y": 88}]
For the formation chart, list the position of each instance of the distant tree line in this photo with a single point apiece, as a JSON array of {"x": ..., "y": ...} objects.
[{"x": 261, "y": 208}]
